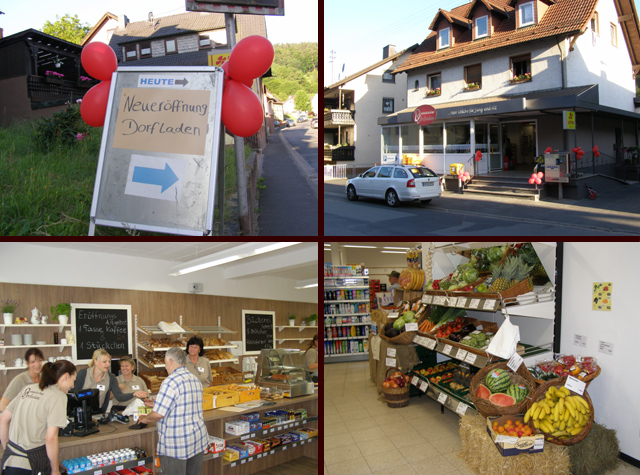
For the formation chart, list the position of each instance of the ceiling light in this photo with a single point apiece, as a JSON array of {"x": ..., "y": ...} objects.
[
  {"x": 402, "y": 248},
  {"x": 393, "y": 252},
  {"x": 224, "y": 257},
  {"x": 306, "y": 284},
  {"x": 360, "y": 247}
]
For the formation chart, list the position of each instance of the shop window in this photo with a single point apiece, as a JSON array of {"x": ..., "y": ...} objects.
[
  {"x": 432, "y": 138},
  {"x": 390, "y": 139},
  {"x": 434, "y": 83},
  {"x": 170, "y": 46},
  {"x": 443, "y": 38},
  {"x": 387, "y": 105},
  {"x": 388, "y": 77},
  {"x": 482, "y": 27},
  {"x": 614, "y": 35},
  {"x": 410, "y": 138},
  {"x": 526, "y": 14},
  {"x": 473, "y": 76},
  {"x": 521, "y": 67},
  {"x": 458, "y": 138},
  {"x": 145, "y": 50},
  {"x": 400, "y": 173},
  {"x": 204, "y": 42},
  {"x": 131, "y": 52}
]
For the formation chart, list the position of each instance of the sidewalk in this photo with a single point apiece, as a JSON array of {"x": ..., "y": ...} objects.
[{"x": 289, "y": 204}]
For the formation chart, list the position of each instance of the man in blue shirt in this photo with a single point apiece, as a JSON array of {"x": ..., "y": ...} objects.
[{"x": 182, "y": 436}]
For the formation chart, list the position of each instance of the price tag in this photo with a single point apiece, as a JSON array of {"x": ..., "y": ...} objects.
[
  {"x": 489, "y": 304},
  {"x": 575, "y": 385},
  {"x": 393, "y": 315},
  {"x": 284, "y": 448},
  {"x": 390, "y": 362},
  {"x": 302, "y": 443},
  {"x": 424, "y": 386},
  {"x": 254, "y": 434},
  {"x": 243, "y": 461},
  {"x": 391, "y": 352},
  {"x": 461, "y": 354},
  {"x": 471, "y": 358},
  {"x": 442, "y": 398},
  {"x": 447, "y": 349},
  {"x": 272, "y": 430},
  {"x": 141, "y": 462},
  {"x": 453, "y": 302},
  {"x": 538, "y": 443},
  {"x": 233, "y": 464},
  {"x": 411, "y": 327},
  {"x": 250, "y": 459},
  {"x": 259, "y": 456},
  {"x": 97, "y": 472},
  {"x": 244, "y": 437},
  {"x": 438, "y": 300},
  {"x": 515, "y": 362},
  {"x": 426, "y": 298},
  {"x": 272, "y": 452},
  {"x": 431, "y": 343},
  {"x": 417, "y": 340},
  {"x": 462, "y": 408},
  {"x": 506, "y": 439},
  {"x": 415, "y": 380},
  {"x": 462, "y": 302},
  {"x": 295, "y": 444},
  {"x": 474, "y": 303},
  {"x": 119, "y": 467}
]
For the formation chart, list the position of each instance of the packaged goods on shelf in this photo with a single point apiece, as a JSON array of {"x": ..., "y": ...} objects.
[
  {"x": 251, "y": 416},
  {"x": 215, "y": 445},
  {"x": 266, "y": 443},
  {"x": 259, "y": 448},
  {"x": 231, "y": 454},
  {"x": 309, "y": 432},
  {"x": 301, "y": 434},
  {"x": 237, "y": 427}
]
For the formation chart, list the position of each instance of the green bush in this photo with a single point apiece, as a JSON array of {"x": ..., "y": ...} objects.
[{"x": 62, "y": 130}]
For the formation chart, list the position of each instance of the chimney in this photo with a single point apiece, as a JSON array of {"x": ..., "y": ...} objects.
[
  {"x": 123, "y": 21},
  {"x": 388, "y": 50}
]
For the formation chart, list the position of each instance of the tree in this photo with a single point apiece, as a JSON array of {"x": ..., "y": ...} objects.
[
  {"x": 302, "y": 101},
  {"x": 67, "y": 28}
]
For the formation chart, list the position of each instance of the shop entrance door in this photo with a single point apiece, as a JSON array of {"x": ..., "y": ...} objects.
[{"x": 495, "y": 147}]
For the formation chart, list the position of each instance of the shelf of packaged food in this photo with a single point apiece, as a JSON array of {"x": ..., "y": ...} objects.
[
  {"x": 27, "y": 325},
  {"x": 455, "y": 403},
  {"x": 298, "y": 423},
  {"x": 116, "y": 466},
  {"x": 300, "y": 327},
  {"x": 347, "y": 324},
  {"x": 279, "y": 448},
  {"x": 148, "y": 348},
  {"x": 360, "y": 337},
  {"x": 346, "y": 354}
]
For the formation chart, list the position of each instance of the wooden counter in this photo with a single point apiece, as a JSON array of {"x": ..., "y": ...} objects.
[{"x": 118, "y": 436}]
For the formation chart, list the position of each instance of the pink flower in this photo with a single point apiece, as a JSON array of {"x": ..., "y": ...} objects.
[{"x": 80, "y": 136}]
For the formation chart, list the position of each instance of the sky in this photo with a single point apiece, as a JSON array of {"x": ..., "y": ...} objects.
[
  {"x": 299, "y": 23},
  {"x": 357, "y": 30}
]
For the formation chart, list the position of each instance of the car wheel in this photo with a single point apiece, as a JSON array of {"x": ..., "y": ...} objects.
[
  {"x": 424, "y": 202},
  {"x": 351, "y": 193},
  {"x": 392, "y": 198}
]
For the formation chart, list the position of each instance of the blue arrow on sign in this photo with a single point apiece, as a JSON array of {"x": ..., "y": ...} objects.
[{"x": 155, "y": 176}]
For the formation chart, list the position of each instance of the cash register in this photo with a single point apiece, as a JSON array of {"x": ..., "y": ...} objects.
[
  {"x": 81, "y": 406},
  {"x": 284, "y": 369}
]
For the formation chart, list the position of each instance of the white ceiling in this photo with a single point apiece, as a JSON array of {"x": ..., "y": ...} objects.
[{"x": 178, "y": 252}]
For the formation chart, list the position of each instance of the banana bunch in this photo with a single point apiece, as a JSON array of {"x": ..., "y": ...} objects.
[{"x": 559, "y": 414}]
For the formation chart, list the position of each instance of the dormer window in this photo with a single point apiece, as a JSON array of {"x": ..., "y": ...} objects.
[
  {"x": 482, "y": 26},
  {"x": 526, "y": 14},
  {"x": 443, "y": 38}
]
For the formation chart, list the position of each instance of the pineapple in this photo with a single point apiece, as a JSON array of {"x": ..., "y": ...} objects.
[
  {"x": 501, "y": 276},
  {"x": 521, "y": 271}
]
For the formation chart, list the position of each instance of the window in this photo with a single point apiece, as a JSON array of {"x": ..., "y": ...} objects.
[
  {"x": 417, "y": 85},
  {"x": 145, "y": 50},
  {"x": 482, "y": 27},
  {"x": 614, "y": 35},
  {"x": 458, "y": 138},
  {"x": 432, "y": 138},
  {"x": 130, "y": 52},
  {"x": 390, "y": 139},
  {"x": 387, "y": 105},
  {"x": 526, "y": 14},
  {"x": 422, "y": 172},
  {"x": 595, "y": 24},
  {"x": 521, "y": 67},
  {"x": 399, "y": 173},
  {"x": 204, "y": 42},
  {"x": 473, "y": 76},
  {"x": 371, "y": 172},
  {"x": 170, "y": 46},
  {"x": 434, "y": 83},
  {"x": 443, "y": 38},
  {"x": 388, "y": 77},
  {"x": 385, "y": 172},
  {"x": 410, "y": 135}
]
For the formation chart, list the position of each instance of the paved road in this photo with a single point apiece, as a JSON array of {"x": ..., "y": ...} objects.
[
  {"x": 304, "y": 140},
  {"x": 611, "y": 214}
]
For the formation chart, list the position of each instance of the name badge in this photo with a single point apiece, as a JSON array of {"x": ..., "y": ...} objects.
[
  {"x": 200, "y": 369},
  {"x": 136, "y": 387},
  {"x": 101, "y": 387}
]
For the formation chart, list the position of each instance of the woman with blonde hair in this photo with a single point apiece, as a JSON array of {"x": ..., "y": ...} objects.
[
  {"x": 127, "y": 381},
  {"x": 98, "y": 376}
]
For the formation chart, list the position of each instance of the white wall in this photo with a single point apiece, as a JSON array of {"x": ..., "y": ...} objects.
[
  {"x": 615, "y": 391},
  {"x": 29, "y": 264}
]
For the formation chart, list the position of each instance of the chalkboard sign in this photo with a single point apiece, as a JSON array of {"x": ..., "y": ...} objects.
[
  {"x": 100, "y": 326},
  {"x": 258, "y": 331}
]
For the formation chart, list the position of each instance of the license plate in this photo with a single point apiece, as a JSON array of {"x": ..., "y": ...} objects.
[{"x": 428, "y": 183}]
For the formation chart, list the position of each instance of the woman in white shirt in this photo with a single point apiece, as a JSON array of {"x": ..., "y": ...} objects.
[{"x": 128, "y": 381}]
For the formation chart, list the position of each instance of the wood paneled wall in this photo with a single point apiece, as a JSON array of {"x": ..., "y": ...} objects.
[{"x": 151, "y": 307}]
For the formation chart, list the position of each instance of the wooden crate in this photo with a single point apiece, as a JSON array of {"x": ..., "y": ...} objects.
[{"x": 227, "y": 375}]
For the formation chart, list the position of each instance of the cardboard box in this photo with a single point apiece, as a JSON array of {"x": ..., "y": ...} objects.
[
  {"x": 514, "y": 445},
  {"x": 237, "y": 427}
]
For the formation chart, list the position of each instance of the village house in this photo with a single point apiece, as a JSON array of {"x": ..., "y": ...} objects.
[{"x": 502, "y": 74}]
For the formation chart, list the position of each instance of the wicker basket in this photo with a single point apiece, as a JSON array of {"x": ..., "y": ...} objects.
[
  {"x": 396, "y": 397},
  {"x": 485, "y": 407},
  {"x": 539, "y": 394},
  {"x": 587, "y": 379}
]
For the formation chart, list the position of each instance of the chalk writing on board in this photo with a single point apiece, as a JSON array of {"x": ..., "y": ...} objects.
[
  {"x": 258, "y": 331},
  {"x": 102, "y": 328}
]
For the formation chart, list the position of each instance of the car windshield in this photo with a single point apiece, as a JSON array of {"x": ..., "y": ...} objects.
[{"x": 418, "y": 172}]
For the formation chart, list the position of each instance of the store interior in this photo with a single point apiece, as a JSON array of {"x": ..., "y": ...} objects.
[
  {"x": 222, "y": 292},
  {"x": 372, "y": 429}
]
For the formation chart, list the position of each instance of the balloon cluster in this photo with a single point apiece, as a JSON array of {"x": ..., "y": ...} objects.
[
  {"x": 464, "y": 176},
  {"x": 596, "y": 151},
  {"x": 536, "y": 178},
  {"x": 99, "y": 61},
  {"x": 242, "y": 112},
  {"x": 578, "y": 151},
  {"x": 478, "y": 155}
]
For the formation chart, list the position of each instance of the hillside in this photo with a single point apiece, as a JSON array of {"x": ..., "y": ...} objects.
[{"x": 295, "y": 68}]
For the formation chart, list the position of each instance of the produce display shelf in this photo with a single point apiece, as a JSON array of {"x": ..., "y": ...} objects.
[{"x": 446, "y": 398}]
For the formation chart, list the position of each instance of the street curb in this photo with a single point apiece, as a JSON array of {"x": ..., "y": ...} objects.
[{"x": 307, "y": 170}]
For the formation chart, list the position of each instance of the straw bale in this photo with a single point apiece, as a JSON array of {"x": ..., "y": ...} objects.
[
  {"x": 482, "y": 456},
  {"x": 596, "y": 454}
]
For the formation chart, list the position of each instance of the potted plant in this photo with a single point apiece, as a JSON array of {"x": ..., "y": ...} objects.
[
  {"x": 472, "y": 85},
  {"x": 434, "y": 92},
  {"x": 8, "y": 307},
  {"x": 292, "y": 320},
  {"x": 61, "y": 313},
  {"x": 312, "y": 319}
]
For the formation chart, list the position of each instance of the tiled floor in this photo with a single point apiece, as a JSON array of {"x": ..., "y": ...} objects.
[{"x": 362, "y": 435}]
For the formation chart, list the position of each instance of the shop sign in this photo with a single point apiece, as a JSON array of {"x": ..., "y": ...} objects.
[
  {"x": 569, "y": 120},
  {"x": 424, "y": 115}
]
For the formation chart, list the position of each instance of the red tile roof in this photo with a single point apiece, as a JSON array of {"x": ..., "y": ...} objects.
[{"x": 563, "y": 18}]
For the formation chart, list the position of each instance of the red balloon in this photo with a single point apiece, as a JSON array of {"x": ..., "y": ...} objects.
[
  {"x": 548, "y": 150},
  {"x": 99, "y": 60},
  {"x": 597, "y": 154},
  {"x": 225, "y": 66},
  {"x": 242, "y": 112},
  {"x": 538, "y": 181},
  {"x": 250, "y": 58},
  {"x": 531, "y": 180},
  {"x": 93, "y": 107}
]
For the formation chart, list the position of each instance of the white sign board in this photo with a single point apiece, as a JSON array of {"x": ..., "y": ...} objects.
[
  {"x": 158, "y": 158},
  {"x": 254, "y": 7}
]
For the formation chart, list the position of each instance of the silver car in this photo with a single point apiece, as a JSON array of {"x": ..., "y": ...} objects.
[{"x": 395, "y": 183}]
